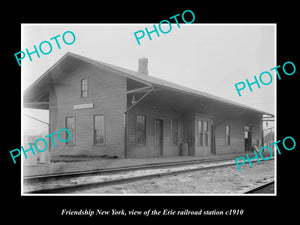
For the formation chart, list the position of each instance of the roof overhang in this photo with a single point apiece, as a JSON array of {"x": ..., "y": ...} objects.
[{"x": 37, "y": 95}]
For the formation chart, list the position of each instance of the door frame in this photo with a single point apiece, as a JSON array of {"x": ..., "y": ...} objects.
[
  {"x": 210, "y": 145},
  {"x": 161, "y": 150},
  {"x": 248, "y": 148}
]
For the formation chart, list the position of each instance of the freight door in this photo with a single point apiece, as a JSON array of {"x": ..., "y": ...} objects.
[{"x": 203, "y": 136}]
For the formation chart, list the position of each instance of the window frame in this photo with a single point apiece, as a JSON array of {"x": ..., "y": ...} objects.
[
  {"x": 247, "y": 129},
  {"x": 199, "y": 134},
  {"x": 205, "y": 133},
  {"x": 227, "y": 135},
  {"x": 143, "y": 130},
  {"x": 103, "y": 129},
  {"x": 83, "y": 90}
]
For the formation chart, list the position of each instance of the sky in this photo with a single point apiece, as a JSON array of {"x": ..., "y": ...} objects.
[{"x": 206, "y": 57}]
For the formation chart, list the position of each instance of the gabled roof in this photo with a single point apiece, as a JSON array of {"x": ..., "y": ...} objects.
[{"x": 146, "y": 79}]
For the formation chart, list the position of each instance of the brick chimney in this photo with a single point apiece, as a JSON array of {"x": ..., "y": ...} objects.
[{"x": 143, "y": 66}]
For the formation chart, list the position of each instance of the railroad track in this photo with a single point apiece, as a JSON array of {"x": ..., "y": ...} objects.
[
  {"x": 185, "y": 167},
  {"x": 262, "y": 189},
  {"x": 120, "y": 169}
]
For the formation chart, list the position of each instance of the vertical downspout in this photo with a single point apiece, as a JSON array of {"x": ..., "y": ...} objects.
[
  {"x": 213, "y": 141},
  {"x": 262, "y": 138},
  {"x": 125, "y": 133}
]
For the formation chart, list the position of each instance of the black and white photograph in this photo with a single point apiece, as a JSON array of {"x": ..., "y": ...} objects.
[
  {"x": 138, "y": 115},
  {"x": 128, "y": 109}
]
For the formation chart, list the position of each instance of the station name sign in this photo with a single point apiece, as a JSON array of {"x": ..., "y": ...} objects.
[{"x": 84, "y": 106}]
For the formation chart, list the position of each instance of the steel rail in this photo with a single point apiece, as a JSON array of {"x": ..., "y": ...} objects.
[
  {"x": 119, "y": 169},
  {"x": 256, "y": 189},
  {"x": 72, "y": 188}
]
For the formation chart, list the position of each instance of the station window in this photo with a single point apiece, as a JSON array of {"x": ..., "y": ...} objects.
[
  {"x": 70, "y": 125},
  {"x": 84, "y": 88},
  {"x": 140, "y": 130},
  {"x": 199, "y": 132},
  {"x": 247, "y": 130},
  {"x": 174, "y": 131},
  {"x": 227, "y": 135},
  {"x": 99, "y": 130},
  {"x": 205, "y": 133}
]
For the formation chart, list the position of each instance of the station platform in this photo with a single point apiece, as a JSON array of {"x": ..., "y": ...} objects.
[{"x": 72, "y": 164}]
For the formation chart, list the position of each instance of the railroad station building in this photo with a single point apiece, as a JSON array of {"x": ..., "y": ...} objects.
[{"x": 114, "y": 111}]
